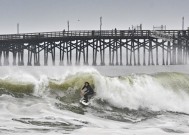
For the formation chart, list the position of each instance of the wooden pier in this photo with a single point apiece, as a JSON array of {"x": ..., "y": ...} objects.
[{"x": 135, "y": 47}]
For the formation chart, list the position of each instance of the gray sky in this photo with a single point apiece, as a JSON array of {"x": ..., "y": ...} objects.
[{"x": 52, "y": 15}]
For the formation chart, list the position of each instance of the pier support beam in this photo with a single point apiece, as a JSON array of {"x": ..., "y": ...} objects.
[
  {"x": 76, "y": 53},
  {"x": 144, "y": 53},
  {"x": 53, "y": 53},
  {"x": 157, "y": 55},
  {"x": 116, "y": 47},
  {"x": 30, "y": 48},
  {"x": 134, "y": 51},
  {"x": 87, "y": 53},
  {"x": 186, "y": 53},
  {"x": 121, "y": 44},
  {"x": 21, "y": 55},
  {"x": 67, "y": 53},
  {"x": 138, "y": 50},
  {"x": 36, "y": 55},
  {"x": 131, "y": 52},
  {"x": 14, "y": 54},
  {"x": 103, "y": 52},
  {"x": 150, "y": 52},
  {"x": 95, "y": 45},
  {"x": 80, "y": 50},
  {"x": 110, "y": 50},
  {"x": 0, "y": 57},
  {"x": 174, "y": 61},
  {"x": 6, "y": 57},
  {"x": 113, "y": 52},
  {"x": 127, "y": 53},
  {"x": 163, "y": 53},
  {"x": 70, "y": 51},
  {"x": 179, "y": 49},
  {"x": 84, "y": 56},
  {"x": 45, "y": 54},
  {"x": 168, "y": 53}
]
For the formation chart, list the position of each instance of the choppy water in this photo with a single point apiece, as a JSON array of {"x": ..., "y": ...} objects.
[{"x": 129, "y": 100}]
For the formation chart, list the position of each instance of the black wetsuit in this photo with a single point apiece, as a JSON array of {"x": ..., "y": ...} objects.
[{"x": 88, "y": 91}]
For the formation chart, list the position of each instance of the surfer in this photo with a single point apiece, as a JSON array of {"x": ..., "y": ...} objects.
[{"x": 86, "y": 91}]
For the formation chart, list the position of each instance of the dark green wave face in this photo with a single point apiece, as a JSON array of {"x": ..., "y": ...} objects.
[
  {"x": 74, "y": 81},
  {"x": 15, "y": 89}
]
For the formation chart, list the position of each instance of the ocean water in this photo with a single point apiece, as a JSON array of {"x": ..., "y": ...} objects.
[{"x": 142, "y": 100}]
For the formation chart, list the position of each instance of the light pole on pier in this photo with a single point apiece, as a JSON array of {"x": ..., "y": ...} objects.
[
  {"x": 183, "y": 23},
  {"x": 17, "y": 28},
  {"x": 100, "y": 23},
  {"x": 68, "y": 23}
]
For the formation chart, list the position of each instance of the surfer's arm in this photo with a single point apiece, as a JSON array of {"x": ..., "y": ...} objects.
[{"x": 83, "y": 91}]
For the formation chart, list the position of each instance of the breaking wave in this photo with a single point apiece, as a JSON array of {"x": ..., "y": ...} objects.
[{"x": 153, "y": 93}]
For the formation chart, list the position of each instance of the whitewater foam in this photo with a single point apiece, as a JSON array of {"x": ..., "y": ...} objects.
[{"x": 144, "y": 92}]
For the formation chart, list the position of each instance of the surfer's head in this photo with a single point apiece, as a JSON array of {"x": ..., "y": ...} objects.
[{"x": 86, "y": 83}]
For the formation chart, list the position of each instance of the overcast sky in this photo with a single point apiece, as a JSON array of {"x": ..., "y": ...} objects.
[{"x": 52, "y": 15}]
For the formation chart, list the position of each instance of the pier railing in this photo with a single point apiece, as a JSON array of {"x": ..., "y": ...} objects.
[{"x": 87, "y": 33}]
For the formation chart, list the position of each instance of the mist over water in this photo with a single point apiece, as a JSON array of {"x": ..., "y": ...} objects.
[{"x": 133, "y": 100}]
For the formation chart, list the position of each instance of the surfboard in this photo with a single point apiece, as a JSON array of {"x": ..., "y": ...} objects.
[
  {"x": 88, "y": 103},
  {"x": 83, "y": 102}
]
